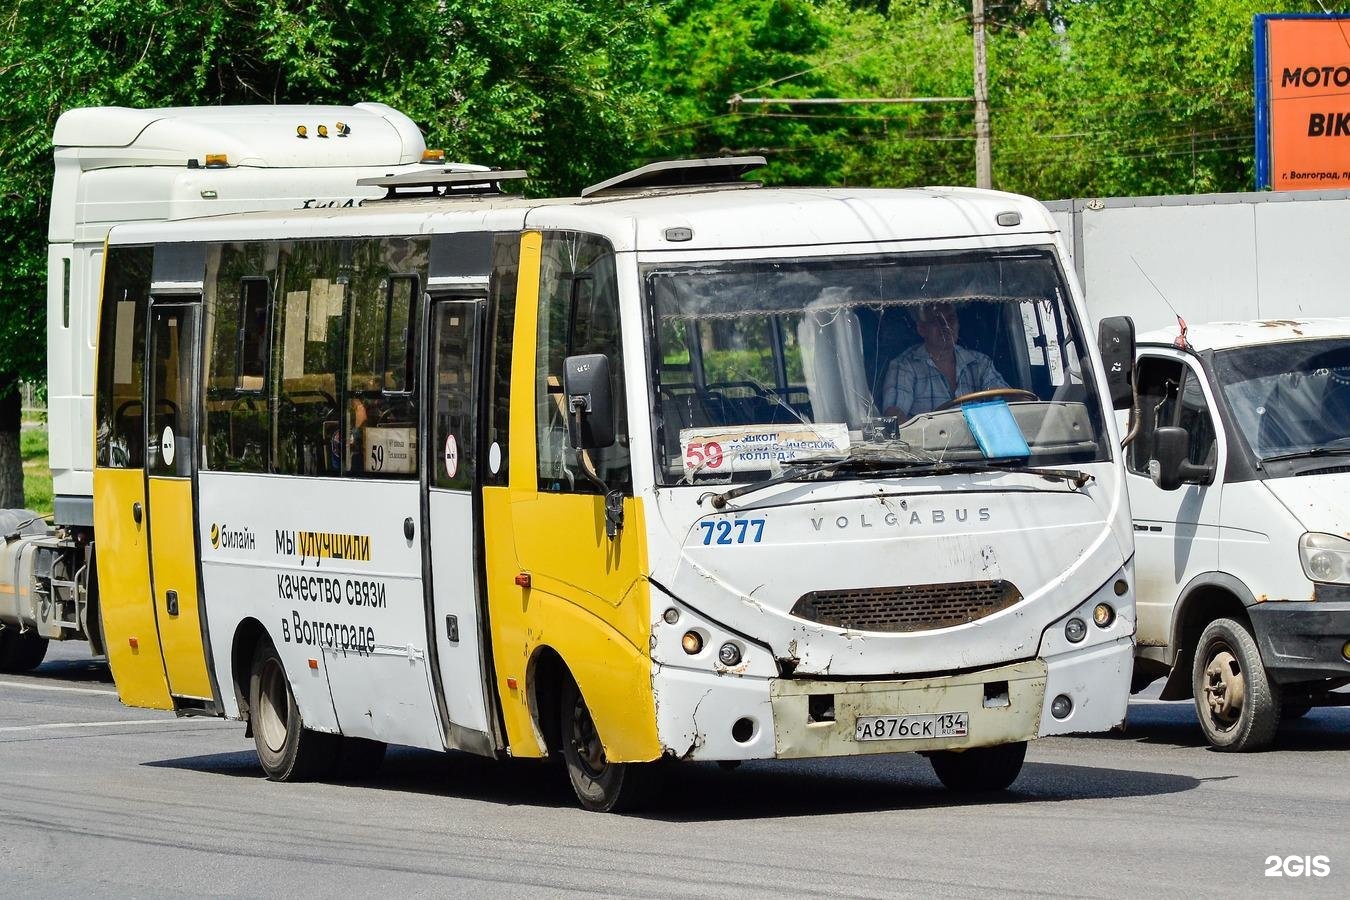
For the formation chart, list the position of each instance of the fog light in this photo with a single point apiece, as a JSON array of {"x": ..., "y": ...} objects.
[
  {"x": 1075, "y": 630},
  {"x": 691, "y": 642},
  {"x": 671, "y": 616},
  {"x": 1061, "y": 706},
  {"x": 1103, "y": 615},
  {"x": 729, "y": 654},
  {"x": 1345, "y": 651},
  {"x": 1121, "y": 587}
]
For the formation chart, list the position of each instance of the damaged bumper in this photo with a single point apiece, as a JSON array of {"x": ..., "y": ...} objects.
[
  {"x": 786, "y": 718},
  {"x": 820, "y": 718}
]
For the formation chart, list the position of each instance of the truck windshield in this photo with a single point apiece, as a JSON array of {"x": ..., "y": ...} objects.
[
  {"x": 1289, "y": 398},
  {"x": 758, "y": 364}
]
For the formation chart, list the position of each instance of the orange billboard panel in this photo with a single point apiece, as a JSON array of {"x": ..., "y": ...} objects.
[{"x": 1309, "y": 89}]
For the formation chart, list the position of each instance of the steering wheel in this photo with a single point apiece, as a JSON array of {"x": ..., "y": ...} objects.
[{"x": 1018, "y": 393}]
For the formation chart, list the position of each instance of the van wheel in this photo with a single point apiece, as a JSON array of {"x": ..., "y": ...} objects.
[
  {"x": 287, "y": 749},
  {"x": 980, "y": 769},
  {"x": 21, "y": 651},
  {"x": 600, "y": 785},
  {"x": 1238, "y": 704}
]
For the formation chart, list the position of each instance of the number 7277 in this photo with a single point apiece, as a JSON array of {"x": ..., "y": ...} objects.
[{"x": 724, "y": 529}]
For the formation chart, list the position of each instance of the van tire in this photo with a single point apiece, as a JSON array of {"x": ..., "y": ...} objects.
[
  {"x": 600, "y": 785},
  {"x": 980, "y": 769},
  {"x": 287, "y": 750},
  {"x": 1237, "y": 703},
  {"x": 20, "y": 651}
]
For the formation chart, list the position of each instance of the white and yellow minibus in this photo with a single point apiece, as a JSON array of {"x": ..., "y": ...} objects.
[{"x": 684, "y": 468}]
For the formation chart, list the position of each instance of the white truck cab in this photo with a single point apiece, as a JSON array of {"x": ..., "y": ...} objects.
[{"x": 1238, "y": 477}]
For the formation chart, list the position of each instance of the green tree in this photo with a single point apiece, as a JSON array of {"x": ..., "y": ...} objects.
[
  {"x": 553, "y": 85},
  {"x": 704, "y": 52}
]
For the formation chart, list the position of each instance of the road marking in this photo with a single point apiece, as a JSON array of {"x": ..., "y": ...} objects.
[
  {"x": 52, "y": 687},
  {"x": 87, "y": 724}
]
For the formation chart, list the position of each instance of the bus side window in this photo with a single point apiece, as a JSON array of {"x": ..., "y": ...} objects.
[
  {"x": 237, "y": 306},
  {"x": 502, "y": 309},
  {"x": 579, "y": 313},
  {"x": 307, "y": 351},
  {"x": 121, "y": 358},
  {"x": 381, "y": 410}
]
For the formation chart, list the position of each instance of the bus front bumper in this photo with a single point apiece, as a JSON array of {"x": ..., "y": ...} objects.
[
  {"x": 991, "y": 706},
  {"x": 798, "y": 717}
]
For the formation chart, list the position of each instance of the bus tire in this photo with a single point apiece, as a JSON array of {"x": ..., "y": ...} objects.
[
  {"x": 600, "y": 785},
  {"x": 980, "y": 769},
  {"x": 287, "y": 750},
  {"x": 1237, "y": 703},
  {"x": 21, "y": 651}
]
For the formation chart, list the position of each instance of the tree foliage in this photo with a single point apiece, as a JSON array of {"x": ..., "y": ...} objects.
[
  {"x": 551, "y": 84},
  {"x": 1088, "y": 97}
]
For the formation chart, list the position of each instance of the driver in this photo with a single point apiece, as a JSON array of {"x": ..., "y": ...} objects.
[{"x": 937, "y": 371}]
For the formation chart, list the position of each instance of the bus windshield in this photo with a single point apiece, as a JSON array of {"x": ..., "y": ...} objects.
[
  {"x": 916, "y": 358},
  {"x": 1289, "y": 399}
]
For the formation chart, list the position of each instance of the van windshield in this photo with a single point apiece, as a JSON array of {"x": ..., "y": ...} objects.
[
  {"x": 1290, "y": 398},
  {"x": 762, "y": 363}
]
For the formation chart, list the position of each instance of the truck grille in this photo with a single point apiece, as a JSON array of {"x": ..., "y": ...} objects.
[{"x": 911, "y": 607}]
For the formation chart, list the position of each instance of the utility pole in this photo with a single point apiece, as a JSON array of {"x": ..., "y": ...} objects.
[{"x": 984, "y": 167}]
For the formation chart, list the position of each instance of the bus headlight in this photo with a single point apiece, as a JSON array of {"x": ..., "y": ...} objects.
[{"x": 1325, "y": 558}]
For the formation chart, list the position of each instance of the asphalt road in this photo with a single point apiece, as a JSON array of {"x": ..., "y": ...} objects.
[{"x": 98, "y": 800}]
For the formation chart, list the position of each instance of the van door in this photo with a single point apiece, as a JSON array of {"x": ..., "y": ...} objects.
[
  {"x": 1176, "y": 532},
  {"x": 170, "y": 464},
  {"x": 453, "y": 533}
]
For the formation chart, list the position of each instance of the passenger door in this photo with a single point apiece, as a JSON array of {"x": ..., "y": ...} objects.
[
  {"x": 126, "y": 602},
  {"x": 170, "y": 464},
  {"x": 453, "y": 545},
  {"x": 1176, "y": 532}
]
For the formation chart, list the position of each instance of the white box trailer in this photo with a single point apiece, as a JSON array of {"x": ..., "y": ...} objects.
[
  {"x": 116, "y": 165},
  {"x": 1214, "y": 257}
]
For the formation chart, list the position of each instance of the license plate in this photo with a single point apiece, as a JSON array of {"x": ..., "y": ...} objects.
[{"x": 909, "y": 728}]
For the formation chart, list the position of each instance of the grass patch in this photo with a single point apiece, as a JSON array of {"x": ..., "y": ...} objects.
[{"x": 37, "y": 475}]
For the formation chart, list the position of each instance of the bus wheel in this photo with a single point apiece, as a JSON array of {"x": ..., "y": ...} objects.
[
  {"x": 979, "y": 769},
  {"x": 600, "y": 785},
  {"x": 1238, "y": 705},
  {"x": 287, "y": 749},
  {"x": 21, "y": 651}
]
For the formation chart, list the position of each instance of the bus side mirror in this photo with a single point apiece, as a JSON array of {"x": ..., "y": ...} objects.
[
  {"x": 1115, "y": 340},
  {"x": 590, "y": 401},
  {"x": 1170, "y": 466}
]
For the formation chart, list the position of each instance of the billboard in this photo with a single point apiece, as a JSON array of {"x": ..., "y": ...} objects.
[{"x": 1302, "y": 101}]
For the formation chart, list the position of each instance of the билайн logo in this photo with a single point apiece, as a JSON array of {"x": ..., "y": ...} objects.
[{"x": 222, "y": 538}]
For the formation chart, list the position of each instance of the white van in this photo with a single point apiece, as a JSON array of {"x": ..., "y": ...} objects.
[{"x": 1238, "y": 478}]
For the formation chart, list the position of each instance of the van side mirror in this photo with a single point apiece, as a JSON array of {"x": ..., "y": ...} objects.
[
  {"x": 1170, "y": 466},
  {"x": 1115, "y": 340},
  {"x": 590, "y": 401}
]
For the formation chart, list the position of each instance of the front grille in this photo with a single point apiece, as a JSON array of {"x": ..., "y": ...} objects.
[{"x": 911, "y": 607}]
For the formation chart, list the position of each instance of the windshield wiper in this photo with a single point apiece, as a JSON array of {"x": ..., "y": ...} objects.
[
  {"x": 798, "y": 471},
  {"x": 1310, "y": 453},
  {"x": 1075, "y": 477},
  {"x": 897, "y": 468}
]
